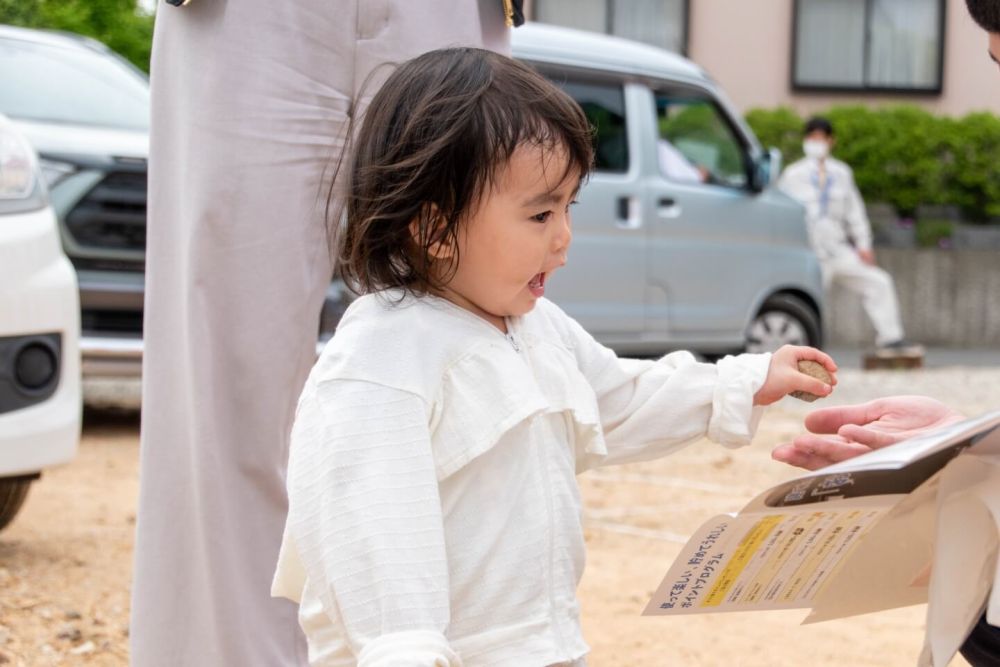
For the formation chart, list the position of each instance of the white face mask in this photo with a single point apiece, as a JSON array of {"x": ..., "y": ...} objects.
[{"x": 815, "y": 149}]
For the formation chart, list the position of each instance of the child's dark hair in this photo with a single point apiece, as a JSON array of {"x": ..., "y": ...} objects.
[
  {"x": 434, "y": 140},
  {"x": 986, "y": 13}
]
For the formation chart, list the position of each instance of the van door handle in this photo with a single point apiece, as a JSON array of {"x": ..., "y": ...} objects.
[
  {"x": 629, "y": 213},
  {"x": 667, "y": 207}
]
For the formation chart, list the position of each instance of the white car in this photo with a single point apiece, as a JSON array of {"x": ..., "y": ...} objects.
[
  {"x": 86, "y": 111},
  {"x": 39, "y": 329}
]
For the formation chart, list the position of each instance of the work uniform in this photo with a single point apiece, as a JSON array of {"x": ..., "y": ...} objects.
[{"x": 838, "y": 229}]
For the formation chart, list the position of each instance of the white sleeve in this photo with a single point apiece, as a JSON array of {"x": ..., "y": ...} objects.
[
  {"x": 651, "y": 408},
  {"x": 674, "y": 165},
  {"x": 789, "y": 183},
  {"x": 860, "y": 228},
  {"x": 795, "y": 183},
  {"x": 365, "y": 514}
]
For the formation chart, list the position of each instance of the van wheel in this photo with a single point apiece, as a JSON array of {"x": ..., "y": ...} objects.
[
  {"x": 784, "y": 320},
  {"x": 12, "y": 493}
]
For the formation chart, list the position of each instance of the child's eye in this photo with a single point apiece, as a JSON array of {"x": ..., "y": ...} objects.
[
  {"x": 571, "y": 203},
  {"x": 542, "y": 217}
]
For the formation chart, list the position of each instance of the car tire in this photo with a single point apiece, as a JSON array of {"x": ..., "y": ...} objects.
[
  {"x": 13, "y": 491},
  {"x": 784, "y": 319}
]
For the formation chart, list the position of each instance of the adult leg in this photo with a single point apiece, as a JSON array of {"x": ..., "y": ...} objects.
[
  {"x": 248, "y": 98},
  {"x": 878, "y": 295},
  {"x": 392, "y": 31}
]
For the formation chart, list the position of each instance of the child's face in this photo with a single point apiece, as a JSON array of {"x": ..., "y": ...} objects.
[{"x": 516, "y": 238}]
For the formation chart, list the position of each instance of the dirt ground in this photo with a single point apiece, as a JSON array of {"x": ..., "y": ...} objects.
[{"x": 65, "y": 562}]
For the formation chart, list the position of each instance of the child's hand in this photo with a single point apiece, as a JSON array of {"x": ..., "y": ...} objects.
[{"x": 784, "y": 376}]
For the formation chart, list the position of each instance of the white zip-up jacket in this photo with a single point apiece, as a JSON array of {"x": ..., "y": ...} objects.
[{"x": 434, "y": 515}]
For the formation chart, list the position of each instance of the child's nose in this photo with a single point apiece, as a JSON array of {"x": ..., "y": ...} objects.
[{"x": 564, "y": 235}]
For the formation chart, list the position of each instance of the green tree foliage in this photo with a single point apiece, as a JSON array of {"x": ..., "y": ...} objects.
[
  {"x": 974, "y": 172},
  {"x": 121, "y": 24},
  {"x": 904, "y": 155},
  {"x": 780, "y": 128}
]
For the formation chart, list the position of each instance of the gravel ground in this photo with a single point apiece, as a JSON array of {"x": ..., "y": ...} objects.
[{"x": 65, "y": 562}]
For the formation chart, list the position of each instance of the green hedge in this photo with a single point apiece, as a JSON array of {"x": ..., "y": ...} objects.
[{"x": 904, "y": 155}]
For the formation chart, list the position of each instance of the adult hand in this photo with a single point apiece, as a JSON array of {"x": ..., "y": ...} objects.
[
  {"x": 842, "y": 432},
  {"x": 867, "y": 256},
  {"x": 784, "y": 376}
]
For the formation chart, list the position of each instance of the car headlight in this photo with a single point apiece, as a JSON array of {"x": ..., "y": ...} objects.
[
  {"x": 21, "y": 188},
  {"x": 53, "y": 172}
]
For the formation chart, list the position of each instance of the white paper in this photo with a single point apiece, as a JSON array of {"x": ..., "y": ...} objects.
[
  {"x": 852, "y": 538},
  {"x": 754, "y": 561}
]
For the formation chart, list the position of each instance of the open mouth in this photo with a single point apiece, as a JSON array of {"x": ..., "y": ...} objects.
[{"x": 537, "y": 284}]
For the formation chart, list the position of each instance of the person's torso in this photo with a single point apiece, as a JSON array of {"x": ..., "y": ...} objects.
[
  {"x": 827, "y": 197},
  {"x": 510, "y": 415}
]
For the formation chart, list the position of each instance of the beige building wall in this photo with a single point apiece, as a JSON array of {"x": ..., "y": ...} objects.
[{"x": 746, "y": 45}]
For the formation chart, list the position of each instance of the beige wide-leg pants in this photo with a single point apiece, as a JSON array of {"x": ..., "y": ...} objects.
[
  {"x": 875, "y": 287},
  {"x": 249, "y": 98}
]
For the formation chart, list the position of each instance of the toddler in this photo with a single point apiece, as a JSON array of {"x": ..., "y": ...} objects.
[{"x": 434, "y": 515}]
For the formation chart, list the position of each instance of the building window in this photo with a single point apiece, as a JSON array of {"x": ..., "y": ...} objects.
[
  {"x": 662, "y": 23},
  {"x": 872, "y": 45}
]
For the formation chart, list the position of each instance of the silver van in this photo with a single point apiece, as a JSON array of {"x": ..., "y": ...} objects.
[{"x": 680, "y": 240}]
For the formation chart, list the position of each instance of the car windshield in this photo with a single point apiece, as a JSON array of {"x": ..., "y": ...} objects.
[{"x": 49, "y": 83}]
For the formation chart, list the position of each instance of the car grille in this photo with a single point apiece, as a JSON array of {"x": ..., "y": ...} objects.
[
  {"x": 113, "y": 214},
  {"x": 102, "y": 264},
  {"x": 111, "y": 321}
]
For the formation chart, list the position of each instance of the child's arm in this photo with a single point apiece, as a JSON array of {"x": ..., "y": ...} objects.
[
  {"x": 652, "y": 408},
  {"x": 365, "y": 516}
]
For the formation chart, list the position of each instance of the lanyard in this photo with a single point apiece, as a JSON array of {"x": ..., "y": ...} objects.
[{"x": 824, "y": 192}]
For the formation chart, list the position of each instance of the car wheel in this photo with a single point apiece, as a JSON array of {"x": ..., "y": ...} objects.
[
  {"x": 783, "y": 320},
  {"x": 12, "y": 493}
]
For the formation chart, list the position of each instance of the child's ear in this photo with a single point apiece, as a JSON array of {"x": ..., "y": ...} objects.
[{"x": 429, "y": 226}]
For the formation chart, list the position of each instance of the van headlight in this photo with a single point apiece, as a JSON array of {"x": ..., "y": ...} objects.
[{"x": 21, "y": 187}]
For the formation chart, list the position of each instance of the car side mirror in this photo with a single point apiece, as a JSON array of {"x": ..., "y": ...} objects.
[{"x": 766, "y": 170}]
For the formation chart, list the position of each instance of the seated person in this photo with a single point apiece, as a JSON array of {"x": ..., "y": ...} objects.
[
  {"x": 675, "y": 166},
  {"x": 841, "y": 234}
]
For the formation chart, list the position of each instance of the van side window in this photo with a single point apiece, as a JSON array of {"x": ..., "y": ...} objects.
[
  {"x": 696, "y": 143},
  {"x": 604, "y": 105}
]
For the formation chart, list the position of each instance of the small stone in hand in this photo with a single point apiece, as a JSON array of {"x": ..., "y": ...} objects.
[{"x": 812, "y": 369}]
